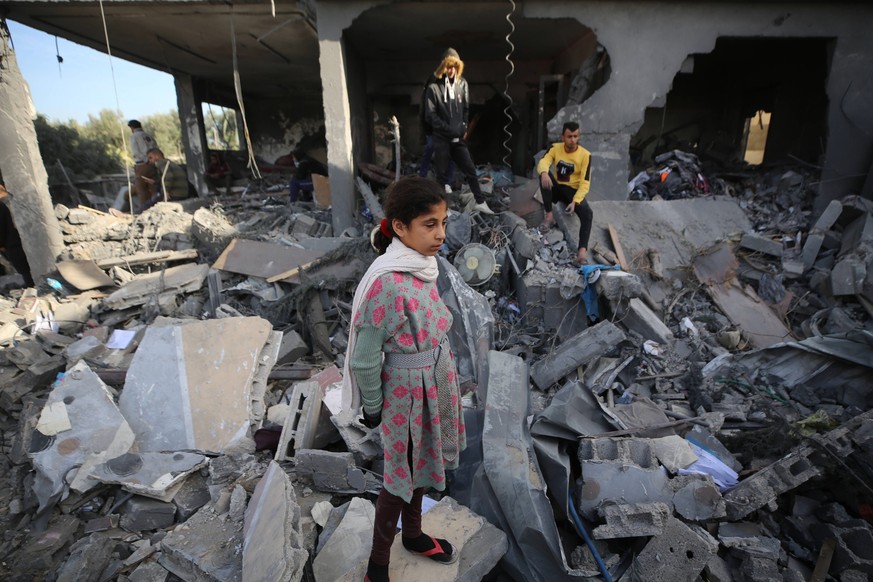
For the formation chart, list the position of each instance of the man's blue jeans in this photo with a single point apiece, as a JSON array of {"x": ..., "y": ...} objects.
[
  {"x": 427, "y": 157},
  {"x": 297, "y": 185}
]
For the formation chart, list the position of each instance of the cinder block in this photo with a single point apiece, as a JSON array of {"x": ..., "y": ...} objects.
[
  {"x": 619, "y": 470},
  {"x": 626, "y": 451},
  {"x": 540, "y": 300},
  {"x": 680, "y": 553},
  {"x": 632, "y": 520},
  {"x": 329, "y": 471},
  {"x": 298, "y": 431}
]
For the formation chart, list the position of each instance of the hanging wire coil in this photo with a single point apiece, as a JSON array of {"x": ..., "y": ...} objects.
[{"x": 507, "y": 110}]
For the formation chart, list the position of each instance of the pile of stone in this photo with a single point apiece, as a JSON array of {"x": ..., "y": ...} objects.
[{"x": 683, "y": 406}]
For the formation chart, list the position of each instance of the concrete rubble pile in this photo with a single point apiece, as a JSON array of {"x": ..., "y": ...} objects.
[{"x": 692, "y": 404}]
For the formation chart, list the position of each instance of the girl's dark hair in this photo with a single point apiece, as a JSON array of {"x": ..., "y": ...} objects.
[{"x": 407, "y": 199}]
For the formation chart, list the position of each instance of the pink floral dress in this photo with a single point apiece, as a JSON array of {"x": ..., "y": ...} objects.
[{"x": 416, "y": 319}]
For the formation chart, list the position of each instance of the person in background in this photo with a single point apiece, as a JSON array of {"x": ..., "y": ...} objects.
[
  {"x": 144, "y": 172},
  {"x": 569, "y": 183},
  {"x": 10, "y": 241},
  {"x": 447, "y": 110},
  {"x": 218, "y": 173},
  {"x": 304, "y": 167},
  {"x": 400, "y": 366},
  {"x": 427, "y": 130}
]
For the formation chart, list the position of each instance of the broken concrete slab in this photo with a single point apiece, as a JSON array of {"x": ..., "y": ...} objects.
[
  {"x": 479, "y": 543},
  {"x": 292, "y": 348},
  {"x": 191, "y": 386},
  {"x": 149, "y": 572},
  {"x": 144, "y": 513},
  {"x": 577, "y": 351},
  {"x": 761, "y": 244},
  {"x": 364, "y": 443},
  {"x": 758, "y": 322},
  {"x": 89, "y": 557},
  {"x": 261, "y": 259},
  {"x": 191, "y": 496},
  {"x": 677, "y": 228},
  {"x": 43, "y": 548},
  {"x": 272, "y": 545},
  {"x": 344, "y": 556},
  {"x": 84, "y": 274},
  {"x": 97, "y": 432},
  {"x": 680, "y": 553},
  {"x": 331, "y": 471},
  {"x": 642, "y": 320},
  {"x": 206, "y": 547},
  {"x": 155, "y": 475},
  {"x": 164, "y": 284},
  {"x": 847, "y": 277}
]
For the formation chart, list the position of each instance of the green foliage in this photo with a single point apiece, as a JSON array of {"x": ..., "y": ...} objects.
[
  {"x": 222, "y": 132},
  {"x": 167, "y": 131},
  {"x": 83, "y": 157}
]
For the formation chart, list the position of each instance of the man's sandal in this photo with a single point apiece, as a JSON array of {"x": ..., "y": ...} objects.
[{"x": 439, "y": 553}]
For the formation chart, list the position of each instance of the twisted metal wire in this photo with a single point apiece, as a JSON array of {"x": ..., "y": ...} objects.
[{"x": 508, "y": 108}]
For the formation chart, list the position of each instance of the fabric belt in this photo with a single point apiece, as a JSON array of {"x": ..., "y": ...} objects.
[
  {"x": 412, "y": 361},
  {"x": 439, "y": 357}
]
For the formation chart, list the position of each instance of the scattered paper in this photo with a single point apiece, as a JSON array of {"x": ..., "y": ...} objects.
[
  {"x": 54, "y": 419},
  {"x": 120, "y": 339}
]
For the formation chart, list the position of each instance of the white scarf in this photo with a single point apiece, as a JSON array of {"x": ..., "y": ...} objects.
[{"x": 398, "y": 258}]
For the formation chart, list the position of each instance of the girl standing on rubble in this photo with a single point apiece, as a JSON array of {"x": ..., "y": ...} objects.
[{"x": 399, "y": 358}]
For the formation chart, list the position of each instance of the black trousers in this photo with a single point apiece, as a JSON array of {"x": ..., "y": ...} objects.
[
  {"x": 564, "y": 193},
  {"x": 456, "y": 151}
]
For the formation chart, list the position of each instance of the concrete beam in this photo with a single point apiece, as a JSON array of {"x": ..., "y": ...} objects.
[
  {"x": 193, "y": 133},
  {"x": 23, "y": 169}
]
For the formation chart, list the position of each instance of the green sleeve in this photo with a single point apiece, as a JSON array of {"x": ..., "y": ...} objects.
[{"x": 366, "y": 365}]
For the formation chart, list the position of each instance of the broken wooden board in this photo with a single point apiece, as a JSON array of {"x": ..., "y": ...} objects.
[
  {"x": 755, "y": 318},
  {"x": 616, "y": 244},
  {"x": 321, "y": 191},
  {"x": 143, "y": 258},
  {"x": 84, "y": 274},
  {"x": 261, "y": 259}
]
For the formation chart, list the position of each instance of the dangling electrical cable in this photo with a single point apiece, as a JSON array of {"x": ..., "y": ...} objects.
[
  {"x": 59, "y": 57},
  {"x": 117, "y": 105},
  {"x": 237, "y": 86},
  {"x": 507, "y": 110}
]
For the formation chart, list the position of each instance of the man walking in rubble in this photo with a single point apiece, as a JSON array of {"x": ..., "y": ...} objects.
[
  {"x": 447, "y": 111},
  {"x": 568, "y": 184},
  {"x": 144, "y": 172}
]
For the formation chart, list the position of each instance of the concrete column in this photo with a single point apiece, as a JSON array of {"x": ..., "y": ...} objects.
[
  {"x": 193, "y": 135},
  {"x": 333, "y": 18},
  {"x": 22, "y": 167}
]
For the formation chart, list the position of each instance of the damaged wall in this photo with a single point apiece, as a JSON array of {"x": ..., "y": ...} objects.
[{"x": 648, "y": 41}]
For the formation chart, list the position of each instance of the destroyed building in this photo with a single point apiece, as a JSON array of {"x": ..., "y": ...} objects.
[{"x": 694, "y": 405}]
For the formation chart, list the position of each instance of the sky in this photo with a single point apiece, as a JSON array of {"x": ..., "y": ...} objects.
[{"x": 84, "y": 84}]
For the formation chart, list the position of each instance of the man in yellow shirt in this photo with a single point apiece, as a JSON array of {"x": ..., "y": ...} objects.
[{"x": 568, "y": 184}]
